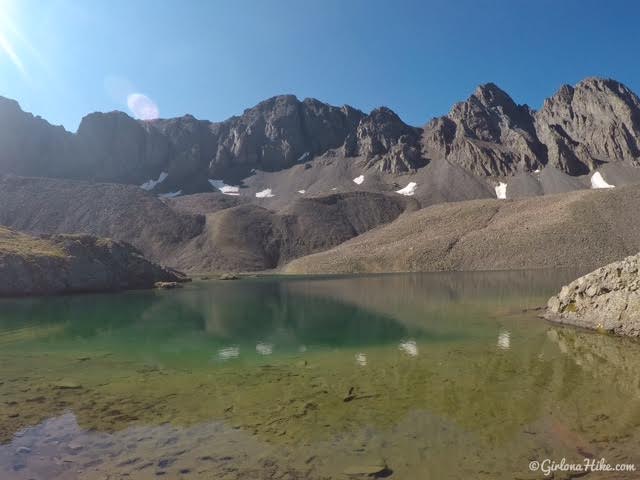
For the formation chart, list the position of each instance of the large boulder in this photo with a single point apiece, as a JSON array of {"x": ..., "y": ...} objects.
[{"x": 607, "y": 299}]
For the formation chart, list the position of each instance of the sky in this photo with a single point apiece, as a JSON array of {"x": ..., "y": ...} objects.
[{"x": 62, "y": 59}]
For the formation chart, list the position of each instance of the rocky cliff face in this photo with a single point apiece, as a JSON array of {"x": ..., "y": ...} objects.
[
  {"x": 120, "y": 148},
  {"x": 577, "y": 129},
  {"x": 489, "y": 134},
  {"x": 31, "y": 146},
  {"x": 607, "y": 299},
  {"x": 279, "y": 133},
  {"x": 73, "y": 263},
  {"x": 597, "y": 121},
  {"x": 386, "y": 143},
  {"x": 273, "y": 135}
]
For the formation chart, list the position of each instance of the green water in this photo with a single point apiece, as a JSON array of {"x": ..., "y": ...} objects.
[{"x": 443, "y": 376}]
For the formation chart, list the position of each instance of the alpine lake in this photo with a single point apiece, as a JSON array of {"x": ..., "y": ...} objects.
[{"x": 401, "y": 376}]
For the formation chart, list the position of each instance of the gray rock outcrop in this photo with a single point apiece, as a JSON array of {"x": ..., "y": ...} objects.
[
  {"x": 577, "y": 130},
  {"x": 74, "y": 263},
  {"x": 488, "y": 134},
  {"x": 386, "y": 143},
  {"x": 597, "y": 121},
  {"x": 607, "y": 299}
]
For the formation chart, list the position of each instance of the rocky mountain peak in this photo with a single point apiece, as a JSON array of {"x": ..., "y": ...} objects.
[
  {"x": 277, "y": 101},
  {"x": 595, "y": 122},
  {"x": 386, "y": 142},
  {"x": 29, "y": 145},
  {"x": 490, "y": 95},
  {"x": 278, "y": 133},
  {"x": 97, "y": 121},
  {"x": 602, "y": 84},
  {"x": 9, "y": 105},
  {"x": 488, "y": 134},
  {"x": 563, "y": 96},
  {"x": 579, "y": 128}
]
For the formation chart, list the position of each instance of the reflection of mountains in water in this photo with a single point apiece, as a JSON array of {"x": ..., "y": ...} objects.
[
  {"x": 602, "y": 356},
  {"x": 234, "y": 313},
  {"x": 422, "y": 300},
  {"x": 369, "y": 309},
  {"x": 274, "y": 310},
  {"x": 327, "y": 311}
]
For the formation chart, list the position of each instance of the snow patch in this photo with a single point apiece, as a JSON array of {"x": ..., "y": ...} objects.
[
  {"x": 359, "y": 180},
  {"x": 302, "y": 192},
  {"x": 150, "y": 184},
  {"x": 304, "y": 157},
  {"x": 171, "y": 194},
  {"x": 597, "y": 181},
  {"x": 266, "y": 193},
  {"x": 409, "y": 190},
  {"x": 224, "y": 188},
  {"x": 536, "y": 170},
  {"x": 333, "y": 189},
  {"x": 501, "y": 190}
]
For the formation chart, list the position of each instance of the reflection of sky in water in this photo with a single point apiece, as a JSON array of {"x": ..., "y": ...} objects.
[
  {"x": 361, "y": 359},
  {"x": 504, "y": 340},
  {"x": 172, "y": 450},
  {"x": 264, "y": 348},
  {"x": 409, "y": 347},
  {"x": 228, "y": 353}
]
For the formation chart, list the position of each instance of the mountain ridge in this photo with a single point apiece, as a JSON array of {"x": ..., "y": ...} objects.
[{"x": 578, "y": 129}]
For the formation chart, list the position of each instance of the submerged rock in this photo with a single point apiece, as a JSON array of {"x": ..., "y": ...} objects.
[
  {"x": 67, "y": 385},
  {"x": 168, "y": 285},
  {"x": 372, "y": 468},
  {"x": 229, "y": 276},
  {"x": 607, "y": 299}
]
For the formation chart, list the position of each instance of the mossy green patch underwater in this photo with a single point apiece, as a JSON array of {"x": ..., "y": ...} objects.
[{"x": 429, "y": 376}]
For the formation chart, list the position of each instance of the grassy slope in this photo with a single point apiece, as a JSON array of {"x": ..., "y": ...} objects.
[{"x": 25, "y": 246}]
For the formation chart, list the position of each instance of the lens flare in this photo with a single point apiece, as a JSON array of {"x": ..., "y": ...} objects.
[
  {"x": 8, "y": 50},
  {"x": 7, "y": 47},
  {"x": 142, "y": 106}
]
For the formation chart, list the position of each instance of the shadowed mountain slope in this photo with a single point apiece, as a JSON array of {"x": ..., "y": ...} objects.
[
  {"x": 73, "y": 263},
  {"x": 121, "y": 212},
  {"x": 196, "y": 233}
]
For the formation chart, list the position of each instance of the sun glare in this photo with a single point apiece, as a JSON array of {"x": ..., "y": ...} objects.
[
  {"x": 8, "y": 30},
  {"x": 142, "y": 106}
]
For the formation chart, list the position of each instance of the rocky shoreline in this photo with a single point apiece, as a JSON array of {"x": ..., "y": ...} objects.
[
  {"x": 57, "y": 264},
  {"x": 606, "y": 300}
]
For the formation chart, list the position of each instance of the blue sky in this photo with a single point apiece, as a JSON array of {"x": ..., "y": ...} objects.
[{"x": 62, "y": 59}]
